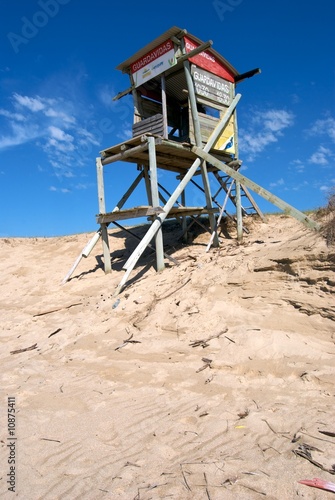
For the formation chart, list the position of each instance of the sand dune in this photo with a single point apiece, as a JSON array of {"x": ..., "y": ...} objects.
[{"x": 213, "y": 379}]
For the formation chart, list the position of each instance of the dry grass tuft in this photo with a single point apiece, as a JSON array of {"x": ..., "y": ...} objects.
[{"x": 327, "y": 215}]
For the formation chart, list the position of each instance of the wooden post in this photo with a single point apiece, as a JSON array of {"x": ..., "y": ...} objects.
[
  {"x": 102, "y": 210},
  {"x": 124, "y": 154},
  {"x": 155, "y": 202},
  {"x": 164, "y": 107},
  {"x": 238, "y": 203},
  {"x": 238, "y": 211},
  {"x": 272, "y": 198},
  {"x": 184, "y": 220},
  {"x": 253, "y": 203},
  {"x": 198, "y": 140},
  {"x": 147, "y": 184},
  {"x": 131, "y": 262}
]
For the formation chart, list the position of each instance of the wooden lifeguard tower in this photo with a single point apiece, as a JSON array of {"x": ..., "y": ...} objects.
[{"x": 184, "y": 96}]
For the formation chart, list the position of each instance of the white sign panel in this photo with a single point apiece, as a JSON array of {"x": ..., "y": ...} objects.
[
  {"x": 154, "y": 63},
  {"x": 212, "y": 87}
]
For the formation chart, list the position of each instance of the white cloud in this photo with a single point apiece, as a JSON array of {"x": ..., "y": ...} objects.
[
  {"x": 125, "y": 133},
  {"x": 264, "y": 128},
  {"x": 59, "y": 190},
  {"x": 322, "y": 156},
  {"x": 59, "y": 134},
  {"x": 64, "y": 117},
  {"x": 51, "y": 124},
  {"x": 87, "y": 137},
  {"x": 323, "y": 127},
  {"x": 106, "y": 95},
  {"x": 301, "y": 185},
  {"x": 33, "y": 104},
  {"x": 276, "y": 119},
  {"x": 18, "y": 135},
  {"x": 298, "y": 165},
  {"x": 280, "y": 182},
  {"x": 12, "y": 116}
]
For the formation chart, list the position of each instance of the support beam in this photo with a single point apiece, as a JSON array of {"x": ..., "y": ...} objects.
[
  {"x": 131, "y": 262},
  {"x": 198, "y": 140},
  {"x": 184, "y": 220},
  {"x": 101, "y": 188},
  {"x": 164, "y": 106},
  {"x": 102, "y": 210},
  {"x": 253, "y": 203},
  {"x": 124, "y": 154},
  {"x": 123, "y": 93},
  {"x": 147, "y": 184},
  {"x": 129, "y": 191},
  {"x": 84, "y": 253},
  {"x": 197, "y": 50},
  {"x": 238, "y": 211},
  {"x": 155, "y": 202},
  {"x": 105, "y": 248},
  {"x": 288, "y": 209},
  {"x": 238, "y": 203}
]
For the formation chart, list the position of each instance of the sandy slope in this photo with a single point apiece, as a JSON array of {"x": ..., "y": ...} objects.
[{"x": 169, "y": 414}]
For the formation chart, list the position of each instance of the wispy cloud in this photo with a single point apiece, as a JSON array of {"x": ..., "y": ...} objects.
[
  {"x": 264, "y": 128},
  {"x": 59, "y": 190},
  {"x": 323, "y": 156},
  {"x": 60, "y": 135},
  {"x": 279, "y": 182},
  {"x": 18, "y": 134},
  {"x": 325, "y": 127},
  {"x": 298, "y": 166},
  {"x": 51, "y": 125},
  {"x": 323, "y": 133},
  {"x": 12, "y": 115},
  {"x": 33, "y": 104},
  {"x": 106, "y": 94}
]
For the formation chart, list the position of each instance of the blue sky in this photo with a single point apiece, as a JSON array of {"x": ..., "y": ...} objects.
[{"x": 58, "y": 78}]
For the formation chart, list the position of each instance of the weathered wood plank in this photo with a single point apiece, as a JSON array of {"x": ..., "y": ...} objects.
[
  {"x": 153, "y": 125},
  {"x": 130, "y": 213}
]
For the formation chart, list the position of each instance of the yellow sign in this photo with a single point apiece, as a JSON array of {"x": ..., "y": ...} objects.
[{"x": 226, "y": 141}]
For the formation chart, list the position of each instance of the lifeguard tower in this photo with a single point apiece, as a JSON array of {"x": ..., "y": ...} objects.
[{"x": 184, "y": 96}]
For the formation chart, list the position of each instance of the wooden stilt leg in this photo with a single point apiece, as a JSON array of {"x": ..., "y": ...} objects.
[
  {"x": 102, "y": 210},
  {"x": 155, "y": 202},
  {"x": 184, "y": 223},
  {"x": 105, "y": 247},
  {"x": 239, "y": 212}
]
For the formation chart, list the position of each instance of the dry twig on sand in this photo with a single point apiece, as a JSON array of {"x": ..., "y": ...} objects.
[
  {"x": 204, "y": 342},
  {"x": 18, "y": 351},
  {"x": 128, "y": 341}
]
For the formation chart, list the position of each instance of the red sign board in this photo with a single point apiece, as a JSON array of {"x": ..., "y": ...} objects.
[{"x": 208, "y": 61}]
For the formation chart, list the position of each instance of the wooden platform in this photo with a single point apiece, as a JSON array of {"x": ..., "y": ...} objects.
[
  {"x": 147, "y": 211},
  {"x": 170, "y": 155}
]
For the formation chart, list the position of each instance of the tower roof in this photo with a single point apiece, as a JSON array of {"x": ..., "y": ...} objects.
[{"x": 174, "y": 32}]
